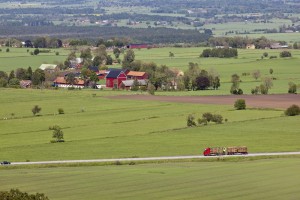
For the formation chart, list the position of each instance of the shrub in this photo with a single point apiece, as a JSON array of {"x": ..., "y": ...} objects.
[
  {"x": 293, "y": 110},
  {"x": 36, "y": 109},
  {"x": 208, "y": 116},
  {"x": 255, "y": 90},
  {"x": 151, "y": 89},
  {"x": 263, "y": 89},
  {"x": 218, "y": 119},
  {"x": 202, "y": 121},
  {"x": 292, "y": 88},
  {"x": 272, "y": 57},
  {"x": 240, "y": 104},
  {"x": 285, "y": 54},
  {"x": 61, "y": 111},
  {"x": 191, "y": 120},
  {"x": 57, "y": 53}
]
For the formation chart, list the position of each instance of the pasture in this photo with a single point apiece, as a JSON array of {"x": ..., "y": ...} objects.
[
  {"x": 268, "y": 179},
  {"x": 98, "y": 127}
]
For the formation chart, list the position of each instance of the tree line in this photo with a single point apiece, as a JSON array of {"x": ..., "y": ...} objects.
[{"x": 142, "y": 35}]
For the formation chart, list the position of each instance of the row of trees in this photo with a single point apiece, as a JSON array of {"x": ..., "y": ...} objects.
[
  {"x": 219, "y": 52},
  {"x": 14, "y": 77}
]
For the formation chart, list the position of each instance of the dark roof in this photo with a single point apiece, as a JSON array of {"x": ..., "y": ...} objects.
[
  {"x": 93, "y": 68},
  {"x": 114, "y": 73}
]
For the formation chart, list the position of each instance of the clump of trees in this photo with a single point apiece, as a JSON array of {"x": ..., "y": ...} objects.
[
  {"x": 240, "y": 104},
  {"x": 205, "y": 119},
  {"x": 292, "y": 88},
  {"x": 293, "y": 110},
  {"x": 198, "y": 79},
  {"x": 267, "y": 84},
  {"x": 235, "y": 87},
  {"x": 219, "y": 53},
  {"x": 16, "y": 194}
]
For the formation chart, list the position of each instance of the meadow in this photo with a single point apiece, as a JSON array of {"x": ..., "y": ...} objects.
[
  {"x": 98, "y": 127},
  {"x": 259, "y": 179}
]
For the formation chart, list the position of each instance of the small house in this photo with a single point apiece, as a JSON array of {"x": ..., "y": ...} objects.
[
  {"x": 250, "y": 46},
  {"x": 25, "y": 83},
  {"x": 127, "y": 84}
]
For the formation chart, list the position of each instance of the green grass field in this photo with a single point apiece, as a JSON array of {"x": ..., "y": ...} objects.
[
  {"x": 97, "y": 127},
  {"x": 268, "y": 179}
]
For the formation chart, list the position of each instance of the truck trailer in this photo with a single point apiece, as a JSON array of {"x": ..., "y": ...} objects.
[{"x": 217, "y": 151}]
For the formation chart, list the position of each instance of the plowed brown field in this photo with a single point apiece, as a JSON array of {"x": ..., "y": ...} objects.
[{"x": 280, "y": 101}]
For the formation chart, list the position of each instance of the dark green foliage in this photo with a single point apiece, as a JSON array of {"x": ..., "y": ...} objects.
[
  {"x": 61, "y": 111},
  {"x": 208, "y": 116},
  {"x": 292, "y": 88},
  {"x": 240, "y": 104},
  {"x": 285, "y": 54},
  {"x": 128, "y": 59},
  {"x": 191, "y": 120},
  {"x": 7, "y": 49},
  {"x": 14, "y": 82},
  {"x": 293, "y": 110},
  {"x": 265, "y": 54},
  {"x": 219, "y": 53},
  {"x": 16, "y": 194},
  {"x": 218, "y": 119},
  {"x": 202, "y": 82},
  {"x": 36, "y": 51},
  {"x": 3, "y": 82},
  {"x": 202, "y": 121},
  {"x": 36, "y": 109},
  {"x": 21, "y": 74},
  {"x": 38, "y": 77},
  {"x": 255, "y": 90},
  {"x": 58, "y": 134},
  {"x": 263, "y": 89}
]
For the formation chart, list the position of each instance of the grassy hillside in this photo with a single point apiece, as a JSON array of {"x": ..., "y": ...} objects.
[{"x": 269, "y": 179}]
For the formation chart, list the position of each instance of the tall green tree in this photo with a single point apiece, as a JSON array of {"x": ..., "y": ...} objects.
[
  {"x": 128, "y": 59},
  {"x": 38, "y": 77}
]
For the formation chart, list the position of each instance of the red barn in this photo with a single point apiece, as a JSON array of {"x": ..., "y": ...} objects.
[
  {"x": 137, "y": 75},
  {"x": 115, "y": 77}
]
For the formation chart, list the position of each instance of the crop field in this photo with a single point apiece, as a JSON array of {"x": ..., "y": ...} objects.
[
  {"x": 268, "y": 179},
  {"x": 99, "y": 127},
  {"x": 20, "y": 58}
]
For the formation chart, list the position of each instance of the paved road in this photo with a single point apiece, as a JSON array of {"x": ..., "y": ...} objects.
[{"x": 150, "y": 158}]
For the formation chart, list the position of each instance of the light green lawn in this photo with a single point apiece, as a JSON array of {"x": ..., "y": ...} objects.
[{"x": 271, "y": 179}]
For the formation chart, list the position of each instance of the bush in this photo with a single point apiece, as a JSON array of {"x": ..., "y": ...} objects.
[
  {"x": 285, "y": 54},
  {"x": 272, "y": 57},
  {"x": 202, "y": 121},
  {"x": 61, "y": 111},
  {"x": 36, "y": 109},
  {"x": 191, "y": 120},
  {"x": 218, "y": 119},
  {"x": 255, "y": 90},
  {"x": 293, "y": 110},
  {"x": 292, "y": 88},
  {"x": 57, "y": 53},
  {"x": 208, "y": 116},
  {"x": 240, "y": 104}
]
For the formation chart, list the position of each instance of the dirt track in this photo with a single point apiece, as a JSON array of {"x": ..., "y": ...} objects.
[{"x": 281, "y": 101}]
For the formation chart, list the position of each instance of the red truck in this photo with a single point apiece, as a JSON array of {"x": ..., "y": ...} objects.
[{"x": 217, "y": 151}]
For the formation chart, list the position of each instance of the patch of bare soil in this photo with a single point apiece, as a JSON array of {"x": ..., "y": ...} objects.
[{"x": 281, "y": 101}]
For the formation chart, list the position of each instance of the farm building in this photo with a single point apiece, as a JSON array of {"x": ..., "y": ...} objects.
[
  {"x": 61, "y": 82},
  {"x": 250, "y": 46},
  {"x": 115, "y": 77},
  {"x": 137, "y": 75},
  {"x": 25, "y": 83},
  {"x": 138, "y": 46},
  {"x": 127, "y": 84}
]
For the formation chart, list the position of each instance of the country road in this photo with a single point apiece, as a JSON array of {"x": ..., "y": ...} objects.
[{"x": 150, "y": 158}]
